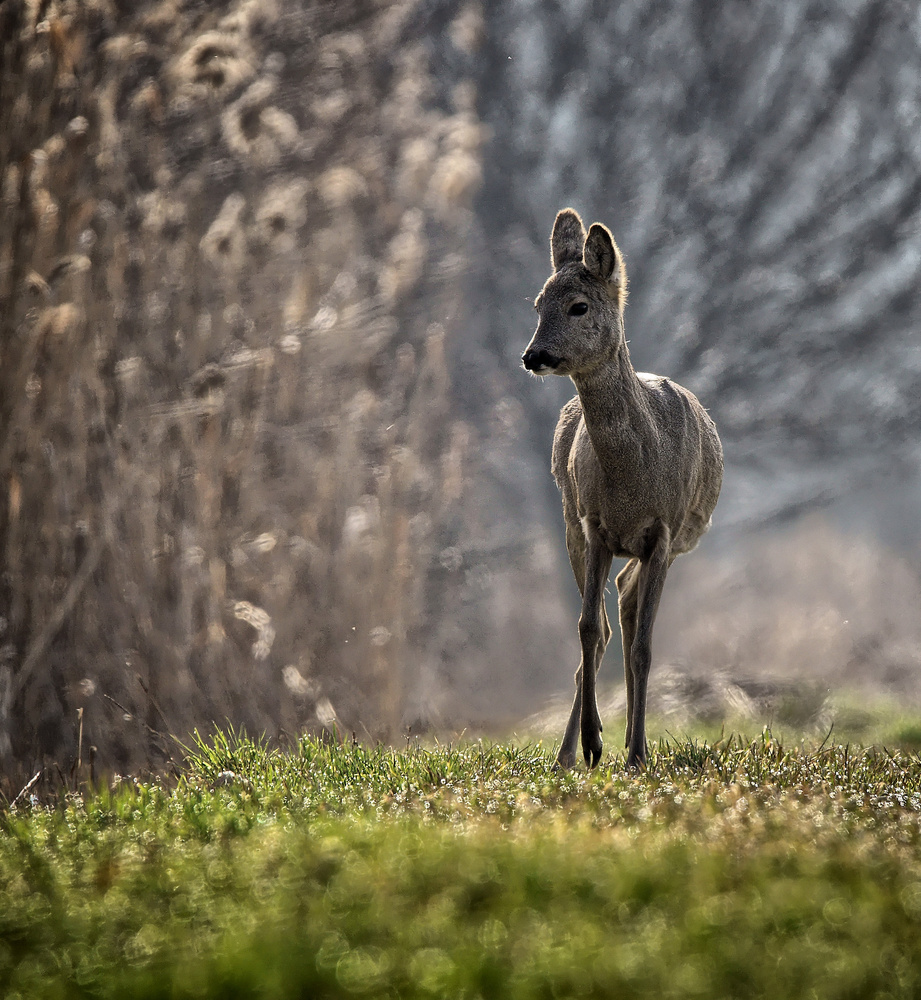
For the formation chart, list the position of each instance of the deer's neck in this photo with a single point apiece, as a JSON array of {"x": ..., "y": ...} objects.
[{"x": 613, "y": 399}]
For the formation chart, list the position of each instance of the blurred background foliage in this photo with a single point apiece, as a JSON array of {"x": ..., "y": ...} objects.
[{"x": 266, "y": 268}]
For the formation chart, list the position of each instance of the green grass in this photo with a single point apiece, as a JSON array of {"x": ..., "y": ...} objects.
[{"x": 734, "y": 869}]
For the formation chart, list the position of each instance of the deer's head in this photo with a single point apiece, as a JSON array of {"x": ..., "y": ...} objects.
[{"x": 581, "y": 306}]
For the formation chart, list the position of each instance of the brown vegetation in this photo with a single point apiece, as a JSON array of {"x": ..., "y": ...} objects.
[{"x": 231, "y": 249}]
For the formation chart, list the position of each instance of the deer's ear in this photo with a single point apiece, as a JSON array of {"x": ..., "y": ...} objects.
[
  {"x": 602, "y": 258},
  {"x": 567, "y": 239}
]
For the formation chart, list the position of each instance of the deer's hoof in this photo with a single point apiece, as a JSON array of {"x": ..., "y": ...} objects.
[
  {"x": 591, "y": 738},
  {"x": 591, "y": 749},
  {"x": 564, "y": 761},
  {"x": 636, "y": 761}
]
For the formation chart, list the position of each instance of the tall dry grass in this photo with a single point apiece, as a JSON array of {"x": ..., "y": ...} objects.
[{"x": 231, "y": 251}]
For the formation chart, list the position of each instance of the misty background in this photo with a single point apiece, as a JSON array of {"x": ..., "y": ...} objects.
[{"x": 266, "y": 273}]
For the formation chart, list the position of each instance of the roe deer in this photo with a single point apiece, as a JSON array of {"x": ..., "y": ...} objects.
[{"x": 637, "y": 459}]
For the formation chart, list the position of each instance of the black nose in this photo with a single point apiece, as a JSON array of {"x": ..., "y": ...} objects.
[{"x": 537, "y": 361}]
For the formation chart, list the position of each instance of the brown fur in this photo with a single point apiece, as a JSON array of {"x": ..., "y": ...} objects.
[{"x": 637, "y": 459}]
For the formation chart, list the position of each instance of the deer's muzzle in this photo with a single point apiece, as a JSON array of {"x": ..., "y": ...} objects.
[{"x": 540, "y": 361}]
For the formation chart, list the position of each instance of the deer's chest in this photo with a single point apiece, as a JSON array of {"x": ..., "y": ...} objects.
[{"x": 615, "y": 501}]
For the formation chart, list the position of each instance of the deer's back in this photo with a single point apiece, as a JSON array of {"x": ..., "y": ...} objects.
[{"x": 664, "y": 463}]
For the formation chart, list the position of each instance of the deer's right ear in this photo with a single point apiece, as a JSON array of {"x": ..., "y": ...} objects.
[
  {"x": 568, "y": 238},
  {"x": 604, "y": 260}
]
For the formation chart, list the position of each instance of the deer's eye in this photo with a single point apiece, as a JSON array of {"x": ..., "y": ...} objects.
[{"x": 578, "y": 309}]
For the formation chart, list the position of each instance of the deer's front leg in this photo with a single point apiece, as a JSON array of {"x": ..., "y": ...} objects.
[{"x": 593, "y": 635}]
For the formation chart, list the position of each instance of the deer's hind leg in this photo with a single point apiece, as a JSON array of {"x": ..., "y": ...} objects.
[
  {"x": 650, "y": 581},
  {"x": 626, "y": 583},
  {"x": 575, "y": 545}
]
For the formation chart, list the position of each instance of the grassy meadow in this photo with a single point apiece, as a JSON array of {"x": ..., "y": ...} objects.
[
  {"x": 254, "y": 466},
  {"x": 739, "y": 867}
]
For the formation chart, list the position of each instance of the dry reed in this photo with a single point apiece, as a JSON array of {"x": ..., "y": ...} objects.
[{"x": 230, "y": 474}]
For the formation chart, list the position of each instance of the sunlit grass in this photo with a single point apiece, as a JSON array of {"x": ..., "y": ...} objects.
[
  {"x": 740, "y": 867},
  {"x": 806, "y": 716}
]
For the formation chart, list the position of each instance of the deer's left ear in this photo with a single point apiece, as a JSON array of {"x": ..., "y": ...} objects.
[{"x": 602, "y": 259}]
